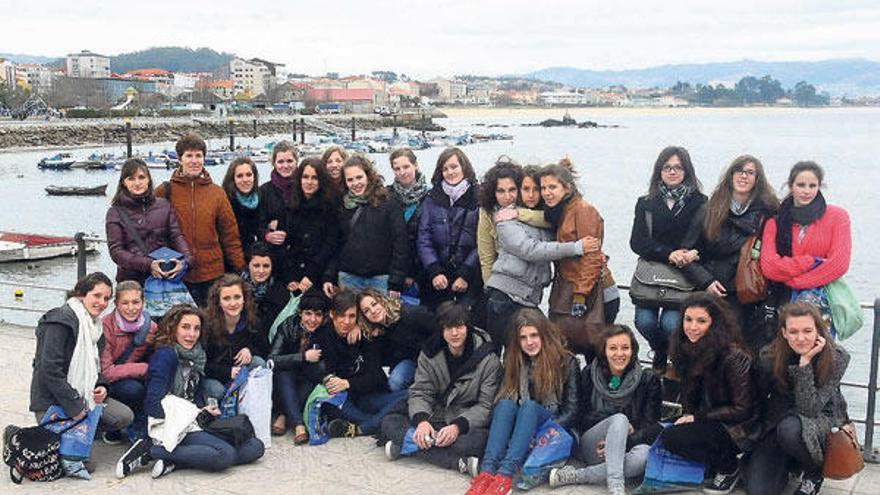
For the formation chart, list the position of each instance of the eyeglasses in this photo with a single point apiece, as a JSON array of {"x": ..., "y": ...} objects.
[
  {"x": 672, "y": 169},
  {"x": 745, "y": 172}
]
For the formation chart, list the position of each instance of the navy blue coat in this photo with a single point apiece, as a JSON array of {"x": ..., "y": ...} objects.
[{"x": 447, "y": 239}]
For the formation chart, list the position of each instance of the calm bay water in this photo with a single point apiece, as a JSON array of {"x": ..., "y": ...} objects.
[{"x": 614, "y": 165}]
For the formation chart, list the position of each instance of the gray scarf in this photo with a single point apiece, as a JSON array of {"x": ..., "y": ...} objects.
[{"x": 607, "y": 401}]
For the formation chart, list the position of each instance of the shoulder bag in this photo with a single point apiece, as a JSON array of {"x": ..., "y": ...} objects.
[
  {"x": 750, "y": 283},
  {"x": 843, "y": 457},
  {"x": 658, "y": 284}
]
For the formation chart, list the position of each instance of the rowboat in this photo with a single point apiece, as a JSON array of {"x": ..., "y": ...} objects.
[
  {"x": 61, "y": 161},
  {"x": 76, "y": 190},
  {"x": 16, "y": 246}
]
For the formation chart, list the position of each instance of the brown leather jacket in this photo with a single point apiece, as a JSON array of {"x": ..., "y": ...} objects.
[
  {"x": 725, "y": 392},
  {"x": 581, "y": 219},
  {"x": 208, "y": 225}
]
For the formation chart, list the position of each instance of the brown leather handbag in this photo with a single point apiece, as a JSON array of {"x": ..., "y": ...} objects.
[
  {"x": 751, "y": 285},
  {"x": 843, "y": 456}
]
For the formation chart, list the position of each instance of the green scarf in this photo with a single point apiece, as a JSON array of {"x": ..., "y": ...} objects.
[{"x": 350, "y": 201}]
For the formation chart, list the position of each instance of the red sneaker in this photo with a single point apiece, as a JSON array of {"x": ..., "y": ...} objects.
[
  {"x": 501, "y": 485},
  {"x": 480, "y": 483}
]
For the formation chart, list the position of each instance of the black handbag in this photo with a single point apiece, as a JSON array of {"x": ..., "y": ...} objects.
[
  {"x": 657, "y": 284},
  {"x": 34, "y": 452},
  {"x": 234, "y": 430}
]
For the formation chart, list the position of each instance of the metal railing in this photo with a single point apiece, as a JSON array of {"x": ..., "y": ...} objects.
[{"x": 869, "y": 452}]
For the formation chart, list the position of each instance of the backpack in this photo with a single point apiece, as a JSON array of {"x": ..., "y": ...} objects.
[{"x": 33, "y": 453}]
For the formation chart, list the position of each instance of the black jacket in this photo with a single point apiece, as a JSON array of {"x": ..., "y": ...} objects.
[
  {"x": 412, "y": 232},
  {"x": 668, "y": 232},
  {"x": 719, "y": 257},
  {"x": 567, "y": 413},
  {"x": 313, "y": 239},
  {"x": 56, "y": 332},
  {"x": 270, "y": 305},
  {"x": 272, "y": 206},
  {"x": 642, "y": 410},
  {"x": 375, "y": 245},
  {"x": 221, "y": 354},
  {"x": 358, "y": 363},
  {"x": 403, "y": 339},
  {"x": 248, "y": 222},
  {"x": 286, "y": 347}
]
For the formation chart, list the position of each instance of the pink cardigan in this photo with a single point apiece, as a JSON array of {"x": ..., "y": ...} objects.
[
  {"x": 115, "y": 342},
  {"x": 827, "y": 238}
]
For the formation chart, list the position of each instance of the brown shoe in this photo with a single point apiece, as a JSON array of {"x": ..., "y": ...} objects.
[
  {"x": 300, "y": 435},
  {"x": 279, "y": 426}
]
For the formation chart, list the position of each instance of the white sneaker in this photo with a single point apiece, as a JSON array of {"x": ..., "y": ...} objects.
[{"x": 161, "y": 468}]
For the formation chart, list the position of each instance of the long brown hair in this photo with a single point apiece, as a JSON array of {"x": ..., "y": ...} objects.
[
  {"x": 166, "y": 334},
  {"x": 692, "y": 359},
  {"x": 467, "y": 170},
  {"x": 823, "y": 363},
  {"x": 718, "y": 209},
  {"x": 214, "y": 316},
  {"x": 690, "y": 175},
  {"x": 375, "y": 192},
  {"x": 550, "y": 365}
]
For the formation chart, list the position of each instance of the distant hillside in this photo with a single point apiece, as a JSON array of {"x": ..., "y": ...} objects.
[
  {"x": 172, "y": 58},
  {"x": 21, "y": 58},
  {"x": 850, "y": 77}
]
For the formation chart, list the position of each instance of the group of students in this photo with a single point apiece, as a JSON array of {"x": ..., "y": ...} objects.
[{"x": 432, "y": 282}]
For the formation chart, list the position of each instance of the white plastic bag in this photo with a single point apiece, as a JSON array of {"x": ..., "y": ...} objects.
[
  {"x": 255, "y": 400},
  {"x": 180, "y": 419}
]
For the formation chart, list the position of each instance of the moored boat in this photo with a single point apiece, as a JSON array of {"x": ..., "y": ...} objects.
[
  {"x": 16, "y": 246},
  {"x": 60, "y": 161},
  {"x": 76, "y": 190}
]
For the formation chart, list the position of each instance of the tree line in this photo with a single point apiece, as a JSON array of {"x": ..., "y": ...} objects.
[{"x": 750, "y": 90}]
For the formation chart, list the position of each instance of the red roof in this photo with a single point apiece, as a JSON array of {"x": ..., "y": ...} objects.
[
  {"x": 335, "y": 94},
  {"x": 154, "y": 72}
]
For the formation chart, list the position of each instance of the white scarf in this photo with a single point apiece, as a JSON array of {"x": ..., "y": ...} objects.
[{"x": 82, "y": 374}]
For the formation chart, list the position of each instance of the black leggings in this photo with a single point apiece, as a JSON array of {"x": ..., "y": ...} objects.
[
  {"x": 782, "y": 450},
  {"x": 704, "y": 440}
]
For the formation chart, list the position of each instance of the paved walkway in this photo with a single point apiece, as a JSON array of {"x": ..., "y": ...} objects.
[{"x": 342, "y": 466}]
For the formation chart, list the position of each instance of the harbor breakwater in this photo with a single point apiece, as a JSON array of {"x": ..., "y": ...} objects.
[{"x": 98, "y": 132}]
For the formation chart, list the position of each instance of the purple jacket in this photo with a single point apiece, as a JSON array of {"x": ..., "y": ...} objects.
[
  {"x": 157, "y": 225},
  {"x": 441, "y": 226}
]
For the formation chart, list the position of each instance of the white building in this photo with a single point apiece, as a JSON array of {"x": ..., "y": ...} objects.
[
  {"x": 7, "y": 73},
  {"x": 88, "y": 64},
  {"x": 37, "y": 77},
  {"x": 450, "y": 90},
  {"x": 566, "y": 98},
  {"x": 254, "y": 77}
]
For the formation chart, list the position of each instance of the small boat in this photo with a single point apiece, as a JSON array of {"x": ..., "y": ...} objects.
[
  {"x": 61, "y": 161},
  {"x": 76, "y": 190},
  {"x": 16, "y": 246}
]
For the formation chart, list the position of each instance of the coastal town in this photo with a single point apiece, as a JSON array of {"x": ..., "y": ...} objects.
[{"x": 85, "y": 84}]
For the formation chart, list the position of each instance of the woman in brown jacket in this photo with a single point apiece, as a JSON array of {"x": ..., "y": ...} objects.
[
  {"x": 580, "y": 282},
  {"x": 206, "y": 218}
]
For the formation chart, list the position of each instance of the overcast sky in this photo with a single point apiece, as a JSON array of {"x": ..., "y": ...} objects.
[{"x": 425, "y": 38}]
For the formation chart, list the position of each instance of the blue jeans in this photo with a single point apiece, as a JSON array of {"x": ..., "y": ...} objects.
[
  {"x": 368, "y": 410},
  {"x": 402, "y": 375},
  {"x": 510, "y": 434},
  {"x": 657, "y": 325},
  {"x": 357, "y": 283},
  {"x": 293, "y": 389},
  {"x": 203, "y": 451},
  {"x": 131, "y": 392},
  {"x": 213, "y": 388}
]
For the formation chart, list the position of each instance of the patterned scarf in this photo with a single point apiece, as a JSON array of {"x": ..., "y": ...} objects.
[
  {"x": 350, "y": 201},
  {"x": 414, "y": 193},
  {"x": 678, "y": 195},
  {"x": 190, "y": 369},
  {"x": 739, "y": 209},
  {"x": 260, "y": 288}
]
